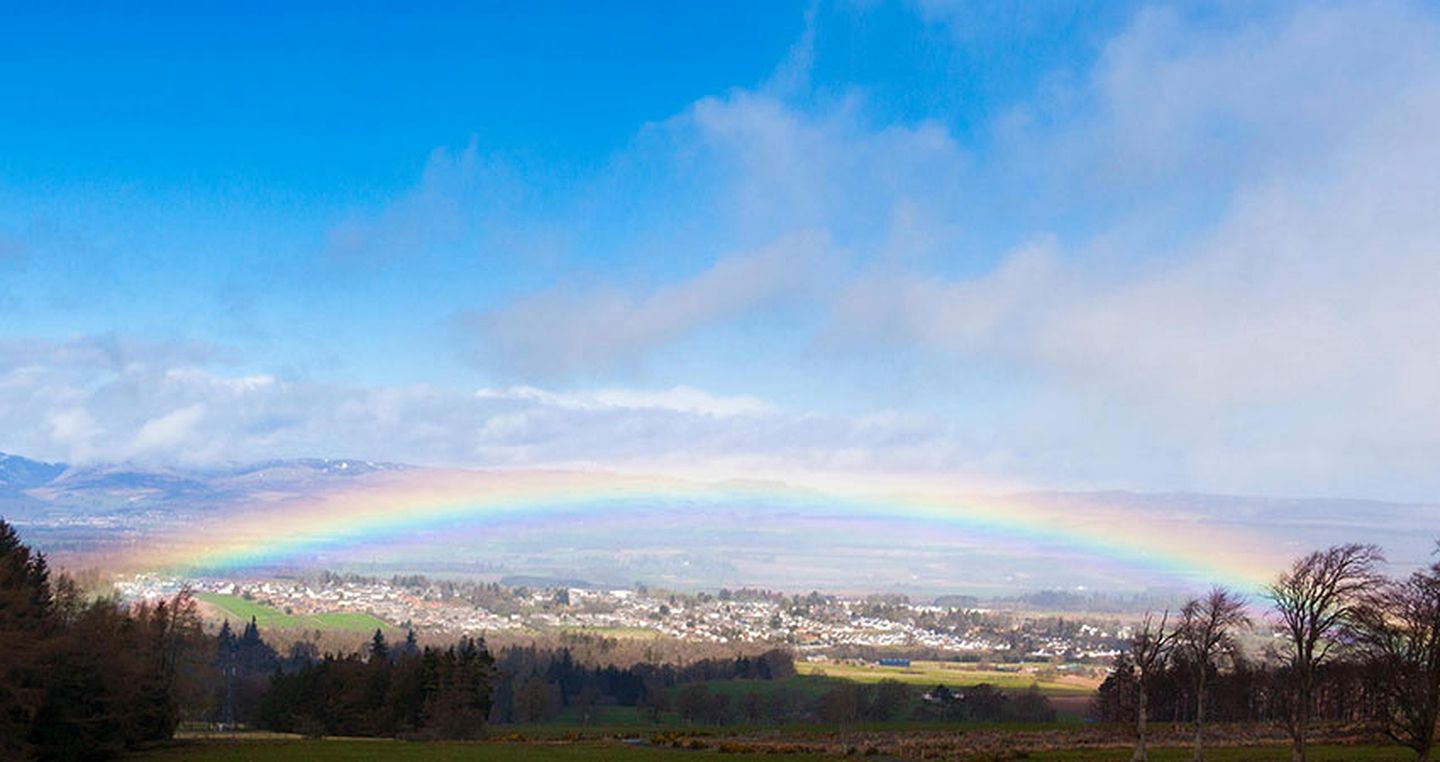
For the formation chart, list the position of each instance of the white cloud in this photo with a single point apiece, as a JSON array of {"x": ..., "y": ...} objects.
[
  {"x": 682, "y": 399},
  {"x": 1244, "y": 307},
  {"x": 1289, "y": 342},
  {"x": 1194, "y": 102},
  {"x": 455, "y": 191},
  {"x": 781, "y": 168},
  {"x": 168, "y": 431},
  {"x": 1225, "y": 278},
  {"x": 468, "y": 205},
  {"x": 559, "y": 330},
  {"x": 794, "y": 191},
  {"x": 151, "y": 404},
  {"x": 965, "y": 315},
  {"x": 73, "y": 430}
]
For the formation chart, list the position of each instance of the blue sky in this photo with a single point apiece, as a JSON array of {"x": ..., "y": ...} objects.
[{"x": 1076, "y": 245}]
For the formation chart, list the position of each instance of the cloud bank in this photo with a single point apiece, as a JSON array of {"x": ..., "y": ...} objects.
[
  {"x": 1249, "y": 306},
  {"x": 108, "y": 399}
]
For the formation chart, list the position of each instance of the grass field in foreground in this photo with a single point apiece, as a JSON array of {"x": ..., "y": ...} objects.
[
  {"x": 941, "y": 673},
  {"x": 1243, "y": 754},
  {"x": 436, "y": 751},
  {"x": 800, "y": 690},
  {"x": 403, "y": 751},
  {"x": 239, "y": 610}
]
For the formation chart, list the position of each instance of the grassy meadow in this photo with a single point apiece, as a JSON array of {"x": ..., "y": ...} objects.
[
  {"x": 930, "y": 673},
  {"x": 401, "y": 751},
  {"x": 239, "y": 610},
  {"x": 363, "y": 750},
  {"x": 1320, "y": 753},
  {"x": 357, "y": 750}
]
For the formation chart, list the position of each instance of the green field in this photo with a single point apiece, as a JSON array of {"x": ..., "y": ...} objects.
[
  {"x": 801, "y": 690},
  {"x": 365, "y": 750},
  {"x": 238, "y": 610},
  {"x": 619, "y": 720},
  {"x": 1239, "y": 754},
  {"x": 941, "y": 673},
  {"x": 438, "y": 751}
]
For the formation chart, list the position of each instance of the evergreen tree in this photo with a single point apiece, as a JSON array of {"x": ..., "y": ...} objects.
[{"x": 84, "y": 680}]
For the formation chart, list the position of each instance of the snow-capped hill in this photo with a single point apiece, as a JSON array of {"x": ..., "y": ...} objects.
[
  {"x": 17, "y": 473},
  {"x": 136, "y": 495}
]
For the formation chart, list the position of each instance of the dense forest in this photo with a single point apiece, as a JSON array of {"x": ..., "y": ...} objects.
[
  {"x": 384, "y": 692},
  {"x": 86, "y": 680}
]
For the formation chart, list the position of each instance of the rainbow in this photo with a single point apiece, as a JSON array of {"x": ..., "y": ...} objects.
[{"x": 391, "y": 507}]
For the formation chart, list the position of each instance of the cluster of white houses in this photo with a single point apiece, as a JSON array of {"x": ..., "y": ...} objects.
[{"x": 704, "y": 618}]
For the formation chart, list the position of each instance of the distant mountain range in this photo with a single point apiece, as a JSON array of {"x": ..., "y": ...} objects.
[
  {"x": 17, "y": 473},
  {"x": 63, "y": 507},
  {"x": 71, "y": 511},
  {"x": 61, "y": 482}
]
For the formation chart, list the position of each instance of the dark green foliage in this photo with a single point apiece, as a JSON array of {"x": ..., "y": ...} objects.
[
  {"x": 1030, "y": 706},
  {"x": 533, "y": 685},
  {"x": 839, "y": 704},
  {"x": 82, "y": 681},
  {"x": 886, "y": 700},
  {"x": 431, "y": 693},
  {"x": 985, "y": 703},
  {"x": 1116, "y": 701},
  {"x": 243, "y": 666}
]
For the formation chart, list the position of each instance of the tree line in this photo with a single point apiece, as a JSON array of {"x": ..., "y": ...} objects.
[
  {"x": 536, "y": 684},
  {"x": 81, "y": 679},
  {"x": 384, "y": 692},
  {"x": 1350, "y": 645}
]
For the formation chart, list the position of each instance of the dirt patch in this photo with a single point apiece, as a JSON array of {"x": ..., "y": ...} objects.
[{"x": 997, "y": 743}]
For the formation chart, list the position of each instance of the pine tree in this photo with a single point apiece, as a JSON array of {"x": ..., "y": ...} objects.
[
  {"x": 39, "y": 581},
  {"x": 225, "y": 653},
  {"x": 251, "y": 635}
]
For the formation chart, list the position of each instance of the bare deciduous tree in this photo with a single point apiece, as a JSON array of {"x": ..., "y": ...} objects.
[
  {"x": 1206, "y": 632},
  {"x": 1398, "y": 627},
  {"x": 1315, "y": 599},
  {"x": 1148, "y": 649}
]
